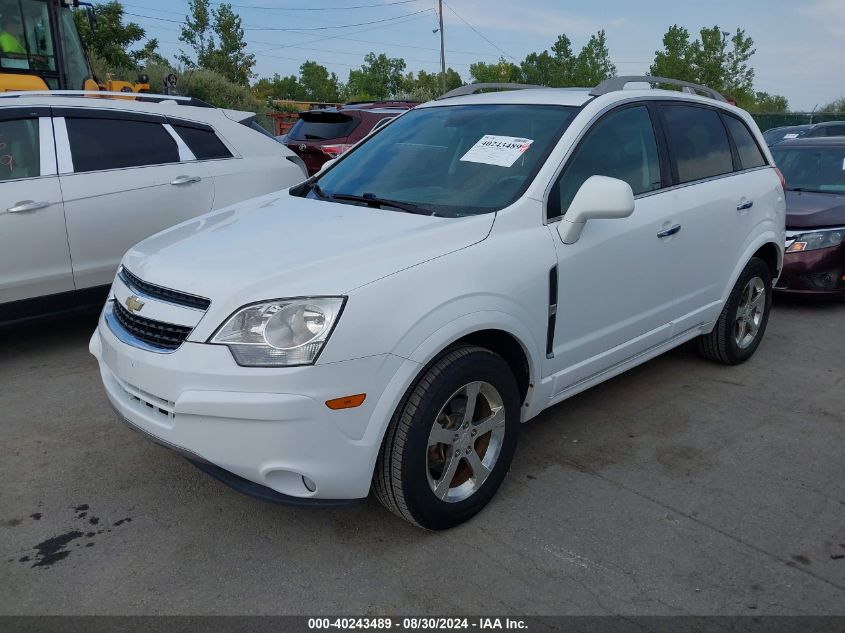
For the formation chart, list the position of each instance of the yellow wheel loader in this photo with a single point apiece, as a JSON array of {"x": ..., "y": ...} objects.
[{"x": 40, "y": 49}]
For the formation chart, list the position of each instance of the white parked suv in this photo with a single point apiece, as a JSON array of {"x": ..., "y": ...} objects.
[
  {"x": 82, "y": 179},
  {"x": 393, "y": 320}
]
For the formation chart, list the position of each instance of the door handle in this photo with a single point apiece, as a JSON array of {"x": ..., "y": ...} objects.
[
  {"x": 185, "y": 180},
  {"x": 27, "y": 205},
  {"x": 670, "y": 231},
  {"x": 744, "y": 206}
]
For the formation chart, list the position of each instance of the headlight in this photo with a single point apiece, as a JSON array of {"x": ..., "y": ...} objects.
[
  {"x": 281, "y": 332},
  {"x": 816, "y": 240}
]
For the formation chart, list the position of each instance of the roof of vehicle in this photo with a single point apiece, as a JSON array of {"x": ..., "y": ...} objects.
[
  {"x": 826, "y": 123},
  {"x": 344, "y": 110},
  {"x": 173, "y": 106},
  {"x": 817, "y": 141},
  {"x": 561, "y": 96},
  {"x": 799, "y": 126}
]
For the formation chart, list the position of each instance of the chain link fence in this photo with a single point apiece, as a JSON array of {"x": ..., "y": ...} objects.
[{"x": 768, "y": 121}]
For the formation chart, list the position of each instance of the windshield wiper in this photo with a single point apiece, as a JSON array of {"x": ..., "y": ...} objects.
[
  {"x": 373, "y": 200},
  {"x": 804, "y": 190}
]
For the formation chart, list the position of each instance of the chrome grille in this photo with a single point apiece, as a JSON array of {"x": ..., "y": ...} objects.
[
  {"x": 161, "y": 293},
  {"x": 165, "y": 336}
]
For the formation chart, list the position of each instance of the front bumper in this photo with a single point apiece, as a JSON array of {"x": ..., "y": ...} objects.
[
  {"x": 818, "y": 273},
  {"x": 270, "y": 427}
]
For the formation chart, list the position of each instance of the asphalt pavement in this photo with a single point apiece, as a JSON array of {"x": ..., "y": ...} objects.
[{"x": 680, "y": 487}]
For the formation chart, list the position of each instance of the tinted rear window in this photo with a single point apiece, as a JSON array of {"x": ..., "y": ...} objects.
[
  {"x": 97, "y": 144},
  {"x": 320, "y": 126},
  {"x": 205, "y": 144},
  {"x": 749, "y": 153},
  {"x": 698, "y": 142}
]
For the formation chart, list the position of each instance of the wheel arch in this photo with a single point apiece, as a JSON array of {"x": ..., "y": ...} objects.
[
  {"x": 500, "y": 333},
  {"x": 767, "y": 248}
]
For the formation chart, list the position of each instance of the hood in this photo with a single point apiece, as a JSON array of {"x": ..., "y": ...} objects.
[
  {"x": 280, "y": 245},
  {"x": 809, "y": 210}
]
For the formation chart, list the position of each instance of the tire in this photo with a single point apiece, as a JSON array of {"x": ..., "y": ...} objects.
[
  {"x": 418, "y": 476},
  {"x": 724, "y": 344}
]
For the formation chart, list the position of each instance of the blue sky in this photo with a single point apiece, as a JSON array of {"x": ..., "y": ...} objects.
[{"x": 800, "y": 45}]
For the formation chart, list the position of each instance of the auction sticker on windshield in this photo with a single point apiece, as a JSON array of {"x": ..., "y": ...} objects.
[{"x": 497, "y": 150}]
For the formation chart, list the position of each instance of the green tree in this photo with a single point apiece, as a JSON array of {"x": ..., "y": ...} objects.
[
  {"x": 501, "y": 71},
  {"x": 111, "y": 39},
  {"x": 555, "y": 68},
  {"x": 738, "y": 73},
  {"x": 217, "y": 39},
  {"x": 676, "y": 59},
  {"x": 593, "y": 65},
  {"x": 838, "y": 105},
  {"x": 709, "y": 57},
  {"x": 380, "y": 77},
  {"x": 317, "y": 83},
  {"x": 196, "y": 33},
  {"x": 277, "y": 87},
  {"x": 765, "y": 102},
  {"x": 425, "y": 86},
  {"x": 148, "y": 54},
  {"x": 540, "y": 69}
]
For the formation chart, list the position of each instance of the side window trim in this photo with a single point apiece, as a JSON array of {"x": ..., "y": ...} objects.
[
  {"x": 64, "y": 159},
  {"x": 185, "y": 153},
  {"x": 47, "y": 147},
  {"x": 737, "y": 163},
  {"x": 725, "y": 114},
  {"x": 667, "y": 178},
  {"x": 568, "y": 158}
]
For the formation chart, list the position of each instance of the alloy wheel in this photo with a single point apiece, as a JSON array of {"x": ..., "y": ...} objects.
[
  {"x": 749, "y": 313},
  {"x": 465, "y": 441}
]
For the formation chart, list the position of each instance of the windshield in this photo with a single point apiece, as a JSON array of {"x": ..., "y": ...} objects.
[
  {"x": 75, "y": 62},
  {"x": 779, "y": 134},
  {"x": 26, "y": 41},
  {"x": 452, "y": 160},
  {"x": 812, "y": 168}
]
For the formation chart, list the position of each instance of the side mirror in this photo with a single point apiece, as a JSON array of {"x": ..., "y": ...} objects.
[
  {"x": 326, "y": 165},
  {"x": 599, "y": 197}
]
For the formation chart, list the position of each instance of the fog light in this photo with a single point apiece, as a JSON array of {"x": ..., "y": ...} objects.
[{"x": 308, "y": 483}]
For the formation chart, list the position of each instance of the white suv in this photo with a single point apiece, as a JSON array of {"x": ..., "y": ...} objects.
[
  {"x": 82, "y": 179},
  {"x": 391, "y": 322}
]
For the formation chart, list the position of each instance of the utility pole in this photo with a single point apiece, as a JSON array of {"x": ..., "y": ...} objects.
[{"x": 442, "y": 51}]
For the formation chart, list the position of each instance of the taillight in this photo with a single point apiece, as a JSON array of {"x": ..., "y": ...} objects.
[
  {"x": 782, "y": 179},
  {"x": 333, "y": 151}
]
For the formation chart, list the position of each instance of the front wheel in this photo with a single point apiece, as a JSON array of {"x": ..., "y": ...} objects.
[
  {"x": 743, "y": 320},
  {"x": 451, "y": 442}
]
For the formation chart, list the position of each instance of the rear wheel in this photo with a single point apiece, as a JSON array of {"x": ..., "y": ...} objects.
[
  {"x": 451, "y": 442},
  {"x": 743, "y": 320}
]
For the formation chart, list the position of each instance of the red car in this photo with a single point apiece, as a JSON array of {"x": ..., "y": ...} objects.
[
  {"x": 320, "y": 135},
  {"x": 814, "y": 169}
]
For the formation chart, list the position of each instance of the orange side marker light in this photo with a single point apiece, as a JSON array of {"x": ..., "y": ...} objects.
[{"x": 347, "y": 402}]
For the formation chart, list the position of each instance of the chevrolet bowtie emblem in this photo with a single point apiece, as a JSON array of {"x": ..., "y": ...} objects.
[{"x": 133, "y": 303}]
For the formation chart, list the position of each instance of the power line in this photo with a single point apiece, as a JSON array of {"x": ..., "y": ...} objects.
[
  {"x": 262, "y": 8},
  {"x": 358, "y": 6},
  {"x": 305, "y": 28},
  {"x": 481, "y": 35}
]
